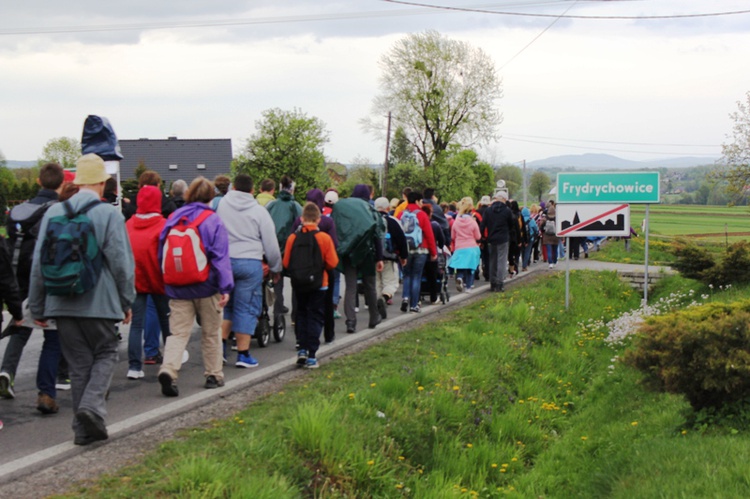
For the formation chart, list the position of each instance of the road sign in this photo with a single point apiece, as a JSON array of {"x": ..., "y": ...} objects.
[
  {"x": 589, "y": 220},
  {"x": 608, "y": 187}
]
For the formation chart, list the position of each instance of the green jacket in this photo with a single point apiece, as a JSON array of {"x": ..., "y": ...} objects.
[
  {"x": 284, "y": 211},
  {"x": 360, "y": 230}
]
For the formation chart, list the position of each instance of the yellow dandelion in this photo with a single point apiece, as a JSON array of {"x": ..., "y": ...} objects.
[
  {"x": 370, "y": 462},
  {"x": 504, "y": 465},
  {"x": 494, "y": 465},
  {"x": 584, "y": 438},
  {"x": 351, "y": 395},
  {"x": 373, "y": 385},
  {"x": 464, "y": 489},
  {"x": 503, "y": 470},
  {"x": 399, "y": 486},
  {"x": 520, "y": 401},
  {"x": 401, "y": 458},
  {"x": 634, "y": 423},
  {"x": 469, "y": 446},
  {"x": 455, "y": 388},
  {"x": 684, "y": 432},
  {"x": 420, "y": 388}
]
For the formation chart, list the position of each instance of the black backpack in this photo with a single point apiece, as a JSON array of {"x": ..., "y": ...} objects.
[
  {"x": 306, "y": 262},
  {"x": 23, "y": 224}
]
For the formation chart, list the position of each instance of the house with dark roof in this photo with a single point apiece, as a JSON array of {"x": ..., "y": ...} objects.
[{"x": 175, "y": 158}]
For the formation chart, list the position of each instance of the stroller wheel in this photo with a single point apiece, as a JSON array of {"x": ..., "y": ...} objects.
[
  {"x": 263, "y": 331},
  {"x": 279, "y": 328}
]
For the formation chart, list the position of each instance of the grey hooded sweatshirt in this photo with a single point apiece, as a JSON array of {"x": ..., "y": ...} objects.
[{"x": 252, "y": 233}]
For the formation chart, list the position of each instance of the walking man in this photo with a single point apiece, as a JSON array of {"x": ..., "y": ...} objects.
[
  {"x": 86, "y": 320},
  {"x": 496, "y": 224}
]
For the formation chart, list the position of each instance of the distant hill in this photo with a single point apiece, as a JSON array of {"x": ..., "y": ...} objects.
[
  {"x": 10, "y": 163},
  {"x": 608, "y": 162}
]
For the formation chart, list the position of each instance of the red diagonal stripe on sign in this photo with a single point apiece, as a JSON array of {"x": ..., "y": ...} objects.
[{"x": 581, "y": 225}]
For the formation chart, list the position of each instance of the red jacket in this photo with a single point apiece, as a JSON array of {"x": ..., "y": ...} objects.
[{"x": 144, "y": 239}]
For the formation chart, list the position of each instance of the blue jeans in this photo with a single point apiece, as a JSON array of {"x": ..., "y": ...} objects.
[
  {"x": 136, "y": 345},
  {"x": 246, "y": 301},
  {"x": 156, "y": 321},
  {"x": 467, "y": 275},
  {"x": 413, "y": 277},
  {"x": 527, "y": 255},
  {"x": 551, "y": 253},
  {"x": 46, "y": 374}
]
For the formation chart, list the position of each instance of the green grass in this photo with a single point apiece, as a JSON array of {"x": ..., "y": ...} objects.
[
  {"x": 702, "y": 225},
  {"x": 512, "y": 396},
  {"x": 708, "y": 223}
]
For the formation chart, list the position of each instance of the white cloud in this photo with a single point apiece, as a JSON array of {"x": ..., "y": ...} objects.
[{"x": 660, "y": 82}]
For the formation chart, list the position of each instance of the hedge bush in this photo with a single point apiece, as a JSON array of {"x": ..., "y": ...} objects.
[{"x": 702, "y": 352}]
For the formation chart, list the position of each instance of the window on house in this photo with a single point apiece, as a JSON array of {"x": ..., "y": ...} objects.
[
  {"x": 201, "y": 166},
  {"x": 172, "y": 167}
]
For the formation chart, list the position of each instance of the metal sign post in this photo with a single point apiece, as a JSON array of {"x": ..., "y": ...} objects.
[{"x": 588, "y": 188}]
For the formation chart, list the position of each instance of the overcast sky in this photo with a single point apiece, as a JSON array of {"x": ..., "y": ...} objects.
[{"x": 635, "y": 88}]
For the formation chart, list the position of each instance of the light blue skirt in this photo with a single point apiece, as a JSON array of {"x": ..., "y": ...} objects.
[{"x": 466, "y": 258}]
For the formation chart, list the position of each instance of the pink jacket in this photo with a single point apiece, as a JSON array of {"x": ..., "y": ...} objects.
[{"x": 465, "y": 232}]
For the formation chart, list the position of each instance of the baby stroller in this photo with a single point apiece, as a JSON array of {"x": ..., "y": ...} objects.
[
  {"x": 441, "y": 278},
  {"x": 263, "y": 329}
]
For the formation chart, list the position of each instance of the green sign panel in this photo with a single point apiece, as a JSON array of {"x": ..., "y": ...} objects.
[{"x": 608, "y": 187}]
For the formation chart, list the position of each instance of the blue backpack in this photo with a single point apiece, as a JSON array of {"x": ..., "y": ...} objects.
[
  {"x": 412, "y": 230},
  {"x": 70, "y": 258}
]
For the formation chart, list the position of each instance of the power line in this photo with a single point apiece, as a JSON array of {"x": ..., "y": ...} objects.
[
  {"x": 525, "y": 14},
  {"x": 610, "y": 141},
  {"x": 226, "y": 22},
  {"x": 537, "y": 36}
]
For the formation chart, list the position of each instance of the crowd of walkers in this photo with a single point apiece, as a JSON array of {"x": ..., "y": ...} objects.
[{"x": 214, "y": 253}]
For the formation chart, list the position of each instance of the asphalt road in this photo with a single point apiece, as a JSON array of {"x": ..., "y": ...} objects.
[{"x": 30, "y": 441}]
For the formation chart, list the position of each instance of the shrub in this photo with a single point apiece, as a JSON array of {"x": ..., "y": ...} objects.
[
  {"x": 702, "y": 353},
  {"x": 692, "y": 260},
  {"x": 695, "y": 262},
  {"x": 734, "y": 268}
]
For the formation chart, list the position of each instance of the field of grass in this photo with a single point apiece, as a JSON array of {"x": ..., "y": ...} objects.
[
  {"x": 511, "y": 396},
  {"x": 710, "y": 223}
]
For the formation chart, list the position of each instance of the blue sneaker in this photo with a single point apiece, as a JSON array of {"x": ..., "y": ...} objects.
[
  {"x": 246, "y": 361},
  {"x": 311, "y": 363},
  {"x": 301, "y": 357}
]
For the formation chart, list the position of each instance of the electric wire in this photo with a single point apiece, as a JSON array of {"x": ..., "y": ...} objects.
[{"x": 527, "y": 14}]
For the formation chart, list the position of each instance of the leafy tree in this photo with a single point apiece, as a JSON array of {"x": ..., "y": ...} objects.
[
  {"x": 7, "y": 183},
  {"x": 62, "y": 150},
  {"x": 360, "y": 173},
  {"x": 736, "y": 154},
  {"x": 442, "y": 92},
  {"x": 539, "y": 185},
  {"x": 405, "y": 175},
  {"x": 402, "y": 150},
  {"x": 513, "y": 176},
  {"x": 3, "y": 162},
  {"x": 484, "y": 180},
  {"x": 286, "y": 143}
]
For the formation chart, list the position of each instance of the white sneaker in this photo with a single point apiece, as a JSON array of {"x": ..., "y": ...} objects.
[
  {"x": 185, "y": 356},
  {"x": 133, "y": 374},
  {"x": 459, "y": 284},
  {"x": 551, "y": 265}
]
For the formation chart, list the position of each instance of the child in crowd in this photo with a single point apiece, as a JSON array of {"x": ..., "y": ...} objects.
[{"x": 310, "y": 301}]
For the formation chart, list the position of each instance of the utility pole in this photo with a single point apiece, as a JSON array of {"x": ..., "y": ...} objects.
[
  {"x": 524, "y": 183},
  {"x": 384, "y": 183}
]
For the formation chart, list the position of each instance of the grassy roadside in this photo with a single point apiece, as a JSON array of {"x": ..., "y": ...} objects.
[{"x": 510, "y": 396}]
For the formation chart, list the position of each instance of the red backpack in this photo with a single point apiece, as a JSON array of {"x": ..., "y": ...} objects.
[{"x": 184, "y": 260}]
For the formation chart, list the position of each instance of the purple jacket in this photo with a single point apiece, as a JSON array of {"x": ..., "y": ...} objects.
[{"x": 216, "y": 243}]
